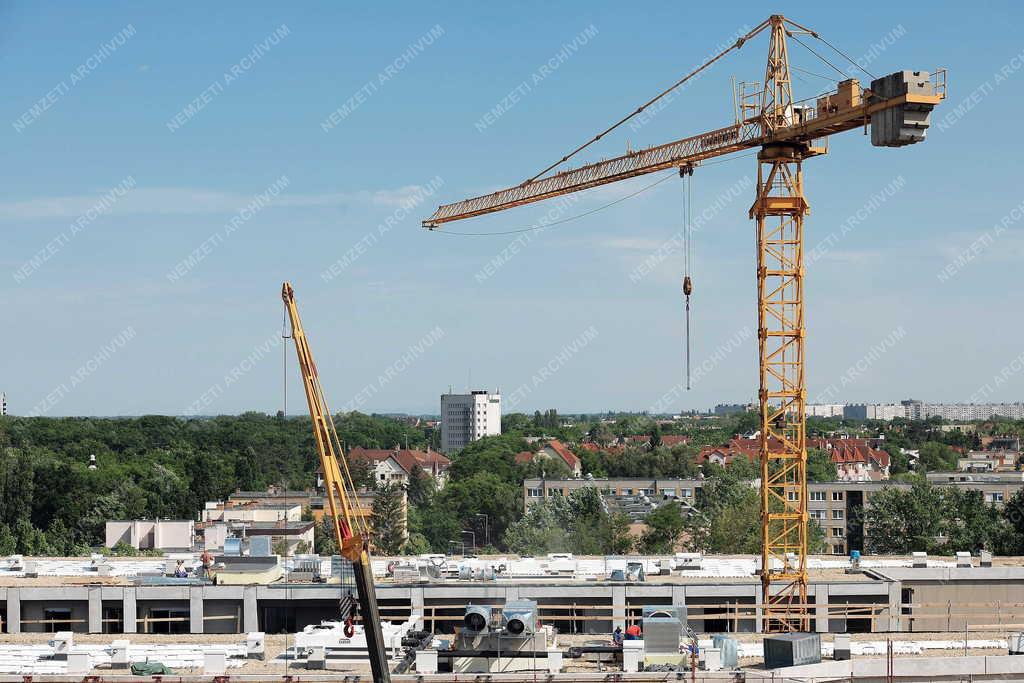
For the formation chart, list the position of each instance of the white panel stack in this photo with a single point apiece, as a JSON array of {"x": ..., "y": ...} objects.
[
  {"x": 255, "y": 647},
  {"x": 554, "y": 660},
  {"x": 215, "y": 662},
  {"x": 712, "y": 658},
  {"x": 119, "y": 654},
  {"x": 632, "y": 655},
  {"x": 78, "y": 663},
  {"x": 62, "y": 641},
  {"x": 426, "y": 661}
]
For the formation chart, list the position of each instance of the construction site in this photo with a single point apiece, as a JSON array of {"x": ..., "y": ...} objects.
[{"x": 249, "y": 613}]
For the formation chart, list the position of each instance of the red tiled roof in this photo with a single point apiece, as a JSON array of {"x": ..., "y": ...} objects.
[
  {"x": 842, "y": 451},
  {"x": 523, "y": 456},
  {"x": 563, "y": 451},
  {"x": 407, "y": 458},
  {"x": 674, "y": 439}
]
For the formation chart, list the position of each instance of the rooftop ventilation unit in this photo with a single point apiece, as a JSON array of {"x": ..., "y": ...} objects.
[
  {"x": 233, "y": 547},
  {"x": 477, "y": 618},
  {"x": 519, "y": 617},
  {"x": 920, "y": 559}
]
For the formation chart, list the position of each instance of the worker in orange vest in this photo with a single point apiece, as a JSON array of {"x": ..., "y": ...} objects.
[{"x": 634, "y": 633}]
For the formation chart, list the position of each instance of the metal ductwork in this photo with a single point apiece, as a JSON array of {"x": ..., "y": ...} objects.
[
  {"x": 519, "y": 617},
  {"x": 477, "y": 618}
]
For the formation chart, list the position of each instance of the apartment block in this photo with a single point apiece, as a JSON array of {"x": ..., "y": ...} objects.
[
  {"x": 837, "y": 506},
  {"x": 468, "y": 417}
]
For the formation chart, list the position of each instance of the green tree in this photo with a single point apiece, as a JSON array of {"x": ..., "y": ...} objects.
[
  {"x": 972, "y": 524},
  {"x": 8, "y": 543},
  {"x": 416, "y": 545},
  {"x": 324, "y": 541},
  {"x": 1013, "y": 516},
  {"x": 421, "y": 488},
  {"x": 537, "y": 532},
  {"x": 665, "y": 526},
  {"x": 901, "y": 521},
  {"x": 820, "y": 466},
  {"x": 388, "y": 519},
  {"x": 601, "y": 434},
  {"x": 937, "y": 457}
]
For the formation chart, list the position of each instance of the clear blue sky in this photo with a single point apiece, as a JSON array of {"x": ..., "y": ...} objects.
[{"x": 205, "y": 340}]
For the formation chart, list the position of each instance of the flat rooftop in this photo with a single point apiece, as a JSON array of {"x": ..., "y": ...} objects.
[{"x": 76, "y": 571}]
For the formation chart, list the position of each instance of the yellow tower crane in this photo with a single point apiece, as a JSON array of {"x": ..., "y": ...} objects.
[
  {"x": 350, "y": 531},
  {"x": 784, "y": 132}
]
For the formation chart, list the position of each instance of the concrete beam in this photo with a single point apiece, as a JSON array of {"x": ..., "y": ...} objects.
[{"x": 195, "y": 610}]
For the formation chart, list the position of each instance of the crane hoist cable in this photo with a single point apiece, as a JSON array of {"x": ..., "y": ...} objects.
[{"x": 686, "y": 173}]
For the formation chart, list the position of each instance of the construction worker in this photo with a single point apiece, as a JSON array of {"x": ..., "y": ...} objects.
[
  {"x": 617, "y": 636},
  {"x": 207, "y": 560},
  {"x": 634, "y": 632}
]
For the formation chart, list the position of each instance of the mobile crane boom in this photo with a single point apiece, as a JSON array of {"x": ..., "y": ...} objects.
[
  {"x": 350, "y": 531},
  {"x": 785, "y": 132}
]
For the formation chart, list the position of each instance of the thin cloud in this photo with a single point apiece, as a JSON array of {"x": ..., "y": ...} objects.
[
  {"x": 182, "y": 200},
  {"x": 633, "y": 243}
]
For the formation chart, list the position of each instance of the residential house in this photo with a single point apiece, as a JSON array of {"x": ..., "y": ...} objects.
[
  {"x": 151, "y": 534},
  {"x": 555, "y": 450},
  {"x": 855, "y": 459},
  {"x": 396, "y": 465},
  {"x": 988, "y": 461}
]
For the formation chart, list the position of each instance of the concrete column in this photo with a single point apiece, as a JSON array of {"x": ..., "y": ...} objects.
[
  {"x": 417, "y": 604},
  {"x": 195, "y": 609},
  {"x": 895, "y": 599},
  {"x": 758, "y": 611},
  {"x": 821, "y": 607},
  {"x": 129, "y": 610},
  {"x": 13, "y": 610},
  {"x": 95, "y": 609},
  {"x": 250, "y": 614},
  {"x": 618, "y": 606}
]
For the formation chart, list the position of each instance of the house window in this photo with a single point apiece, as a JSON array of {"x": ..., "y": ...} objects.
[
  {"x": 686, "y": 493},
  {"x": 627, "y": 492},
  {"x": 817, "y": 514},
  {"x": 837, "y": 514},
  {"x": 791, "y": 496},
  {"x": 838, "y": 550},
  {"x": 994, "y": 497},
  {"x": 837, "y": 495},
  {"x": 646, "y": 492},
  {"x": 837, "y": 532},
  {"x": 668, "y": 492},
  {"x": 817, "y": 495},
  {"x": 534, "y": 493}
]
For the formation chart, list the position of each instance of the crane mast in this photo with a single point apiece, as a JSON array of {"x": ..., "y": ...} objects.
[
  {"x": 350, "y": 532},
  {"x": 784, "y": 133}
]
